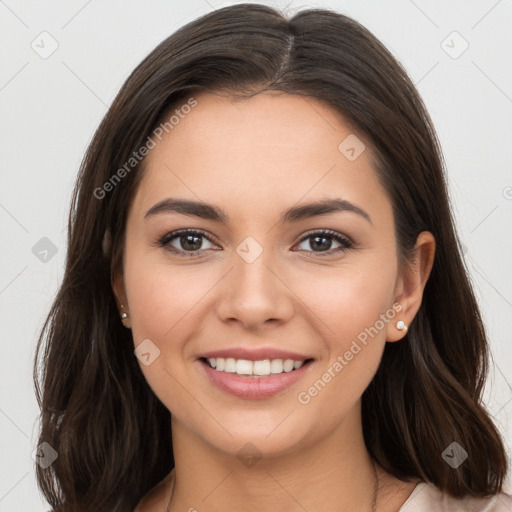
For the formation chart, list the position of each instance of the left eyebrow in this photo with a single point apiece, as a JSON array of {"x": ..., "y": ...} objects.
[
  {"x": 294, "y": 214},
  {"x": 322, "y": 207}
]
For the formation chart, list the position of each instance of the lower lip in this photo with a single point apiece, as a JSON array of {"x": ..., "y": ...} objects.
[{"x": 255, "y": 388}]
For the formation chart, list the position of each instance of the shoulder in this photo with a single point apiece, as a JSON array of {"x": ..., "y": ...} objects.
[{"x": 427, "y": 497}]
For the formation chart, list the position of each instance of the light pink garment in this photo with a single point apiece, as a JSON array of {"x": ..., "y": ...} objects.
[{"x": 426, "y": 497}]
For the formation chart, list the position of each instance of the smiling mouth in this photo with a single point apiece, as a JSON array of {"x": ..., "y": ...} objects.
[{"x": 258, "y": 369}]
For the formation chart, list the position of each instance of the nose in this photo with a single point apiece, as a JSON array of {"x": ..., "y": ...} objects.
[{"x": 255, "y": 293}]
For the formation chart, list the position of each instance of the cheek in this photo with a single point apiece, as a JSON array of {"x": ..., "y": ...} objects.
[
  {"x": 345, "y": 302},
  {"x": 354, "y": 353},
  {"x": 163, "y": 302},
  {"x": 352, "y": 310},
  {"x": 162, "y": 298}
]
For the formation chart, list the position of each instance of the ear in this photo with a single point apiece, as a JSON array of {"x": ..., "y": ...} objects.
[
  {"x": 118, "y": 287},
  {"x": 411, "y": 284}
]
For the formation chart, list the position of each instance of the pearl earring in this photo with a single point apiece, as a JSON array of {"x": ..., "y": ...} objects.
[
  {"x": 124, "y": 316},
  {"x": 400, "y": 325}
]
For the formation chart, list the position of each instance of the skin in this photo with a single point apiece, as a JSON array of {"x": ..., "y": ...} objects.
[{"x": 255, "y": 158}]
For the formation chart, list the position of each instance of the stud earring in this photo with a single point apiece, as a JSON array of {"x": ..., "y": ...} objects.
[
  {"x": 124, "y": 318},
  {"x": 400, "y": 325},
  {"x": 124, "y": 315}
]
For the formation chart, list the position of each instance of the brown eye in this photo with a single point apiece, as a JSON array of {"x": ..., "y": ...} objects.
[
  {"x": 185, "y": 242},
  {"x": 321, "y": 242}
]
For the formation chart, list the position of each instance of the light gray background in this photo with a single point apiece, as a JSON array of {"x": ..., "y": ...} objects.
[{"x": 51, "y": 106}]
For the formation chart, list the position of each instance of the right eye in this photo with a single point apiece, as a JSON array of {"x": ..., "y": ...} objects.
[{"x": 190, "y": 241}]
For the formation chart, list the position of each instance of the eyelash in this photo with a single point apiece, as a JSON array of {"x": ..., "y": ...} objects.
[{"x": 346, "y": 244}]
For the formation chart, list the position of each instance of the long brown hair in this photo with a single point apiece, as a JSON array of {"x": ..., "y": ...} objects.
[{"x": 111, "y": 433}]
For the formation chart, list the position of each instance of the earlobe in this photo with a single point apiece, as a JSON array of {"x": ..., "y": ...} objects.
[
  {"x": 413, "y": 281},
  {"x": 125, "y": 317},
  {"x": 121, "y": 299}
]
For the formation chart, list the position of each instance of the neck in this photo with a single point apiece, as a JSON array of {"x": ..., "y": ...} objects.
[{"x": 336, "y": 468}]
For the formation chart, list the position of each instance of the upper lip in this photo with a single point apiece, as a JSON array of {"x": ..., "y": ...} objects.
[{"x": 254, "y": 354}]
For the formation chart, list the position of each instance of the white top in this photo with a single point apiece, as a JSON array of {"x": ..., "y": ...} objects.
[{"x": 426, "y": 497}]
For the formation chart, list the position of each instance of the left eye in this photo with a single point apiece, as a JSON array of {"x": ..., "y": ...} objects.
[{"x": 322, "y": 238}]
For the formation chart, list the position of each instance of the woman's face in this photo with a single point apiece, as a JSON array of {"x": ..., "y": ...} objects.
[{"x": 257, "y": 284}]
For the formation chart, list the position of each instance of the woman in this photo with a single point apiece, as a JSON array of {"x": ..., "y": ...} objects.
[{"x": 264, "y": 306}]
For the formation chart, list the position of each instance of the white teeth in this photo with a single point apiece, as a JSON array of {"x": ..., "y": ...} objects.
[
  {"x": 259, "y": 368},
  {"x": 288, "y": 365},
  {"x": 276, "y": 366},
  {"x": 244, "y": 367},
  {"x": 230, "y": 365}
]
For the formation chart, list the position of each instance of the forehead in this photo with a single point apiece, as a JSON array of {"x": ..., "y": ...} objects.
[{"x": 269, "y": 149}]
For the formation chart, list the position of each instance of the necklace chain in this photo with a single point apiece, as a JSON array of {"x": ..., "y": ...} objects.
[
  {"x": 374, "y": 498},
  {"x": 375, "y": 488}
]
